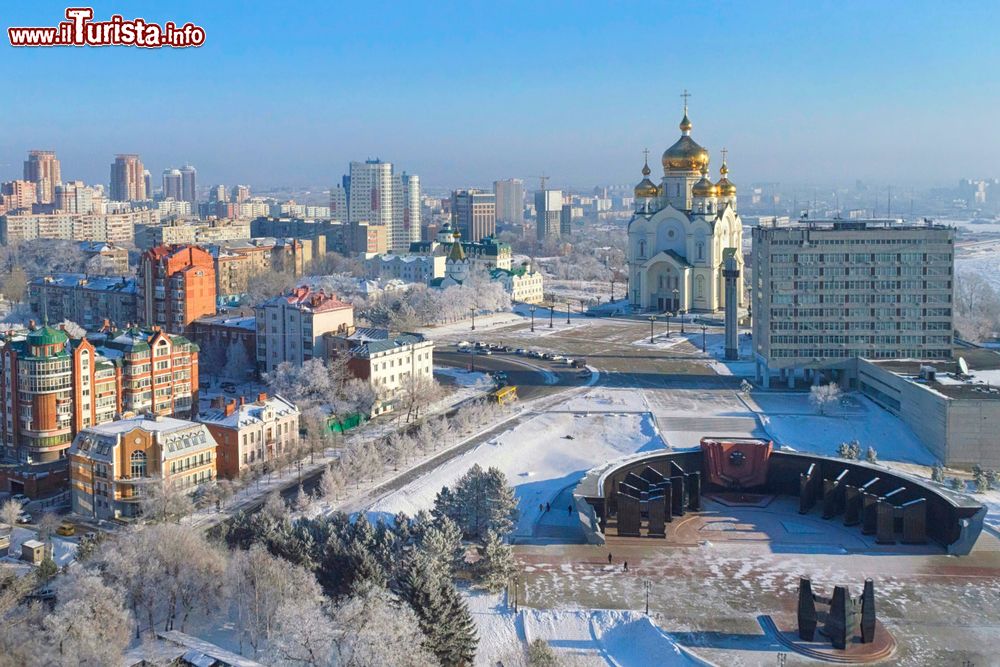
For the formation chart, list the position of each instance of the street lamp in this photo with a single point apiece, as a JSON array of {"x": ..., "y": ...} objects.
[
  {"x": 473, "y": 311},
  {"x": 667, "y": 314},
  {"x": 552, "y": 309},
  {"x": 677, "y": 304},
  {"x": 703, "y": 348},
  {"x": 567, "y": 311},
  {"x": 652, "y": 318},
  {"x": 531, "y": 309},
  {"x": 646, "y": 585},
  {"x": 682, "y": 322}
]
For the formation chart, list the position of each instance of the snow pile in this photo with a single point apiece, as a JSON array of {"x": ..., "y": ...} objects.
[
  {"x": 540, "y": 458},
  {"x": 602, "y": 637},
  {"x": 464, "y": 378}
]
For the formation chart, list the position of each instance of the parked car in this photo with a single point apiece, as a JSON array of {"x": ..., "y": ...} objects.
[
  {"x": 229, "y": 387},
  {"x": 549, "y": 356},
  {"x": 579, "y": 363},
  {"x": 466, "y": 350},
  {"x": 521, "y": 351},
  {"x": 21, "y": 498},
  {"x": 66, "y": 529},
  {"x": 24, "y": 517},
  {"x": 558, "y": 357},
  {"x": 463, "y": 343}
]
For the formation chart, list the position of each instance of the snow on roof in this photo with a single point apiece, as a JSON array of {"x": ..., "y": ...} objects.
[
  {"x": 249, "y": 414},
  {"x": 306, "y": 299}
]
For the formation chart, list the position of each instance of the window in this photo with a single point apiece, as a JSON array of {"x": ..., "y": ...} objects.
[
  {"x": 701, "y": 250},
  {"x": 138, "y": 461}
]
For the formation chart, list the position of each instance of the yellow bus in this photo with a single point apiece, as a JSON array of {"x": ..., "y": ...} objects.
[{"x": 504, "y": 395}]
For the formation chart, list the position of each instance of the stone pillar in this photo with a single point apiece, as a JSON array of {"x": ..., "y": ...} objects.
[{"x": 731, "y": 273}]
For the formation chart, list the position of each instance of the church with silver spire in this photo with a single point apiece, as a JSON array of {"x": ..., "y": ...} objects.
[{"x": 680, "y": 231}]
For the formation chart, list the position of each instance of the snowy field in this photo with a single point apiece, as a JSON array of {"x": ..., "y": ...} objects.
[
  {"x": 980, "y": 258},
  {"x": 464, "y": 378},
  {"x": 540, "y": 457}
]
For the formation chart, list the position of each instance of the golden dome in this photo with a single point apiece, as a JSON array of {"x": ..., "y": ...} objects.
[
  {"x": 686, "y": 124},
  {"x": 705, "y": 187},
  {"x": 726, "y": 187},
  {"x": 646, "y": 187},
  {"x": 685, "y": 155}
]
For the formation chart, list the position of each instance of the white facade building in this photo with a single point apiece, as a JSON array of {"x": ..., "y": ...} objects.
[
  {"x": 409, "y": 268},
  {"x": 291, "y": 327}
]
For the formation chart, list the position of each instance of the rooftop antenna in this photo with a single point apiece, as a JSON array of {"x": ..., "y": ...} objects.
[
  {"x": 543, "y": 178},
  {"x": 888, "y": 208}
]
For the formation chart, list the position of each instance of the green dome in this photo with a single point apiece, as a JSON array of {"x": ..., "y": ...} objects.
[{"x": 47, "y": 336}]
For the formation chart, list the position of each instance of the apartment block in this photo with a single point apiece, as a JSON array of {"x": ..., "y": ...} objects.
[
  {"x": 114, "y": 227},
  {"x": 89, "y": 301},
  {"x": 176, "y": 286},
  {"x": 290, "y": 327},
  {"x": 251, "y": 433}
]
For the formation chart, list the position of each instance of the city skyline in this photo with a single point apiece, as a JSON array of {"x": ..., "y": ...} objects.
[{"x": 791, "y": 100}]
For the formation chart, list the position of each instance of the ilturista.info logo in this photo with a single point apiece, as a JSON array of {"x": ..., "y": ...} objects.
[{"x": 79, "y": 29}]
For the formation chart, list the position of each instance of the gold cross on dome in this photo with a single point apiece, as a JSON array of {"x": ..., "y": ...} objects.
[
  {"x": 645, "y": 154},
  {"x": 685, "y": 95},
  {"x": 725, "y": 152}
]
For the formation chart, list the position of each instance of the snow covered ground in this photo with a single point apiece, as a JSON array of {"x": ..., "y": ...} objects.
[
  {"x": 463, "y": 378},
  {"x": 540, "y": 457},
  {"x": 982, "y": 258}
]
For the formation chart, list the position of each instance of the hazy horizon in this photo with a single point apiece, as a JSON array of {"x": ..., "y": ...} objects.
[{"x": 464, "y": 94}]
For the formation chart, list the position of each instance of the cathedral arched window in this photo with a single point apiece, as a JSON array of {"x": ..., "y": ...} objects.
[
  {"x": 642, "y": 248},
  {"x": 699, "y": 287},
  {"x": 660, "y": 282},
  {"x": 701, "y": 250}
]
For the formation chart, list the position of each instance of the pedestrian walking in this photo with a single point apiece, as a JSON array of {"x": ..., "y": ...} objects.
[
  {"x": 609, "y": 558},
  {"x": 569, "y": 510},
  {"x": 625, "y": 567},
  {"x": 547, "y": 507},
  {"x": 541, "y": 508}
]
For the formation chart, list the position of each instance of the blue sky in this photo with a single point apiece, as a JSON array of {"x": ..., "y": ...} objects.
[{"x": 466, "y": 92}]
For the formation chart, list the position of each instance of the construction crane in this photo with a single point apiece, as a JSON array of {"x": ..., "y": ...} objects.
[{"x": 543, "y": 179}]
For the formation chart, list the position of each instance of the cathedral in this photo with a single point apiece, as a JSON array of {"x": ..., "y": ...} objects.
[{"x": 680, "y": 231}]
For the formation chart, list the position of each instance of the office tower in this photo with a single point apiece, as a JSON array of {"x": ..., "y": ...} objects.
[
  {"x": 566, "y": 221},
  {"x": 241, "y": 193},
  {"x": 188, "y": 184},
  {"x": 218, "y": 194},
  {"x": 338, "y": 203},
  {"x": 826, "y": 292},
  {"x": 473, "y": 214},
  {"x": 176, "y": 286},
  {"x": 127, "y": 179},
  {"x": 172, "y": 184},
  {"x": 147, "y": 180},
  {"x": 548, "y": 213},
  {"x": 42, "y": 169},
  {"x": 509, "y": 201},
  {"x": 76, "y": 197}
]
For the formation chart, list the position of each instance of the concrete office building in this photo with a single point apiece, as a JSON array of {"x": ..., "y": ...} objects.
[
  {"x": 473, "y": 213},
  {"x": 548, "y": 214},
  {"x": 827, "y": 292},
  {"x": 509, "y": 195}
]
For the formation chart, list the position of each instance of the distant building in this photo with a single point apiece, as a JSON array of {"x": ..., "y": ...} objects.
[
  {"x": 473, "y": 213},
  {"x": 290, "y": 327},
  {"x": 87, "y": 300},
  {"x": 827, "y": 292},
  {"x": 408, "y": 268},
  {"x": 382, "y": 198},
  {"x": 112, "y": 465},
  {"x": 250, "y": 434},
  {"x": 523, "y": 284},
  {"x": 509, "y": 201},
  {"x": 127, "y": 181},
  {"x": 176, "y": 286},
  {"x": 77, "y": 197},
  {"x": 17, "y": 196},
  {"x": 115, "y": 227},
  {"x": 388, "y": 362},
  {"x": 488, "y": 252},
  {"x": 548, "y": 214},
  {"x": 104, "y": 258},
  {"x": 42, "y": 169},
  {"x": 338, "y": 203},
  {"x": 221, "y": 332},
  {"x": 189, "y": 185},
  {"x": 172, "y": 184}
]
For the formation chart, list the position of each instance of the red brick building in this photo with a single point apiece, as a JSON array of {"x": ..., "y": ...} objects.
[{"x": 176, "y": 286}]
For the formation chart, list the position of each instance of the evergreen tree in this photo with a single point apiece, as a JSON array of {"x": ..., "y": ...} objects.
[
  {"x": 441, "y": 612},
  {"x": 497, "y": 565},
  {"x": 442, "y": 542},
  {"x": 482, "y": 501},
  {"x": 540, "y": 654}
]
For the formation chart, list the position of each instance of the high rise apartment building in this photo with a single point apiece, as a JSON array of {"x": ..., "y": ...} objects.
[
  {"x": 17, "y": 196},
  {"x": 338, "y": 203},
  {"x": 172, "y": 184},
  {"x": 509, "y": 200},
  {"x": 827, "y": 292},
  {"x": 42, "y": 169},
  {"x": 77, "y": 197},
  {"x": 128, "y": 182},
  {"x": 548, "y": 214},
  {"x": 189, "y": 185},
  {"x": 176, "y": 286},
  {"x": 473, "y": 214},
  {"x": 114, "y": 227},
  {"x": 380, "y": 197}
]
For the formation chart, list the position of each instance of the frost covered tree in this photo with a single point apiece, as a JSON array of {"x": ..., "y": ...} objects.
[
  {"x": 956, "y": 484},
  {"x": 90, "y": 624},
  {"x": 302, "y": 500},
  {"x": 441, "y": 540},
  {"x": 497, "y": 565},
  {"x": 937, "y": 473},
  {"x": 481, "y": 501},
  {"x": 540, "y": 654},
  {"x": 163, "y": 500},
  {"x": 372, "y": 627},
  {"x": 331, "y": 483},
  {"x": 822, "y": 396},
  {"x": 303, "y": 635},
  {"x": 237, "y": 363},
  {"x": 274, "y": 506},
  {"x": 849, "y": 450},
  {"x": 418, "y": 393},
  {"x": 260, "y": 586},
  {"x": 871, "y": 455}
]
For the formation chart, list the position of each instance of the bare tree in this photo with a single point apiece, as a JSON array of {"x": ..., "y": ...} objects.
[
  {"x": 163, "y": 500},
  {"x": 373, "y": 628},
  {"x": 90, "y": 624},
  {"x": 331, "y": 483},
  {"x": 824, "y": 395}
]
